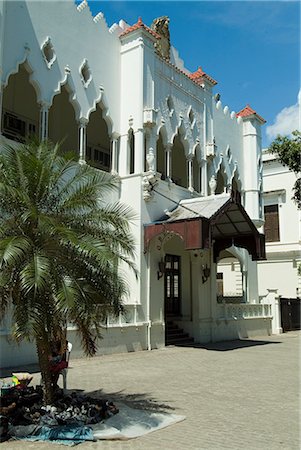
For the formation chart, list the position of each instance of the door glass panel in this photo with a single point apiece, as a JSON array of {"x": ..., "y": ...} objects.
[
  {"x": 172, "y": 284},
  {"x": 176, "y": 286},
  {"x": 168, "y": 286}
]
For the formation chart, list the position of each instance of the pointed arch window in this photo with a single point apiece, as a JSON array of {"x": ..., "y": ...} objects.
[{"x": 131, "y": 142}]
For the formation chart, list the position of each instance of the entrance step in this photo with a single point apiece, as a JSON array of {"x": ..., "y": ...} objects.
[{"x": 174, "y": 335}]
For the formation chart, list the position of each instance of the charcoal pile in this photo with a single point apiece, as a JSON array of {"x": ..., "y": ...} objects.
[{"x": 25, "y": 407}]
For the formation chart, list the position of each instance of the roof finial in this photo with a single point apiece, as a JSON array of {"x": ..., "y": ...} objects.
[{"x": 140, "y": 20}]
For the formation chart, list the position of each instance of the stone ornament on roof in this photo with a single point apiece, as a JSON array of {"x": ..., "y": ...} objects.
[{"x": 161, "y": 27}]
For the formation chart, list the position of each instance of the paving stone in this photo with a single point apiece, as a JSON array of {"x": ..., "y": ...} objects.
[{"x": 244, "y": 398}]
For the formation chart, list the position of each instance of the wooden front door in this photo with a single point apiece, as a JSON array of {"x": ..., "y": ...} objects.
[{"x": 172, "y": 285}]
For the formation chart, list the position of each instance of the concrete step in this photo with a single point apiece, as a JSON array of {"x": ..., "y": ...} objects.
[{"x": 176, "y": 336}]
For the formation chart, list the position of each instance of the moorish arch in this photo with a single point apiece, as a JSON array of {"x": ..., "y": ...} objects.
[
  {"x": 98, "y": 152},
  {"x": 62, "y": 123},
  {"x": 131, "y": 151},
  {"x": 221, "y": 180},
  {"x": 179, "y": 161},
  {"x": 20, "y": 109},
  {"x": 196, "y": 168},
  {"x": 230, "y": 279},
  {"x": 161, "y": 154},
  {"x": 236, "y": 184}
]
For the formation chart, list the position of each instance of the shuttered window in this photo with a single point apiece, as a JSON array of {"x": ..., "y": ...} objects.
[{"x": 271, "y": 226}]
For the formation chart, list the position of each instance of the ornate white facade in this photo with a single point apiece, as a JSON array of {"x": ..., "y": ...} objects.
[{"x": 110, "y": 95}]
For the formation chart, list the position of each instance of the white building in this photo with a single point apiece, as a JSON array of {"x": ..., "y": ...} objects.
[
  {"x": 189, "y": 167},
  {"x": 283, "y": 238}
]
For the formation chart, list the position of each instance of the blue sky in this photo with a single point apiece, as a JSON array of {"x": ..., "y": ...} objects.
[{"x": 252, "y": 48}]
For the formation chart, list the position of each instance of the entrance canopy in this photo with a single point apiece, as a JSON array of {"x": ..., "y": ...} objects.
[{"x": 217, "y": 222}]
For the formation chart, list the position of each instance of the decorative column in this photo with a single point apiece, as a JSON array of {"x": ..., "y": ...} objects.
[
  {"x": 114, "y": 146},
  {"x": 190, "y": 172},
  {"x": 82, "y": 140},
  {"x": 168, "y": 161},
  {"x": 44, "y": 113}
]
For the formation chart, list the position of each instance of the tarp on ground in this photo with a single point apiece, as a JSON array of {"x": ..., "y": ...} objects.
[{"x": 129, "y": 423}]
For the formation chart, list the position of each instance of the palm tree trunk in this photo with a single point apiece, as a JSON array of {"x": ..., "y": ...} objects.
[{"x": 43, "y": 350}]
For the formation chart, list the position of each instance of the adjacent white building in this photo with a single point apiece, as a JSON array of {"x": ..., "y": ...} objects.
[
  {"x": 189, "y": 167},
  {"x": 282, "y": 232}
]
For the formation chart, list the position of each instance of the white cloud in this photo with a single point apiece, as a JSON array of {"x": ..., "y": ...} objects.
[{"x": 286, "y": 121}]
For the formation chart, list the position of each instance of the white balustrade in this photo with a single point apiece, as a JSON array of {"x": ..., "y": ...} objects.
[{"x": 232, "y": 311}]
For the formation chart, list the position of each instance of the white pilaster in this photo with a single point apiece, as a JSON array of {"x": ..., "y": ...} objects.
[
  {"x": 190, "y": 172},
  {"x": 82, "y": 140},
  {"x": 252, "y": 150},
  {"x": 123, "y": 155},
  {"x": 139, "y": 151},
  {"x": 1, "y": 97},
  {"x": 44, "y": 113},
  {"x": 168, "y": 161},
  {"x": 114, "y": 156}
]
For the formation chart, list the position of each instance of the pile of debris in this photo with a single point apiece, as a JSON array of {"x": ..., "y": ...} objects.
[{"x": 25, "y": 407}]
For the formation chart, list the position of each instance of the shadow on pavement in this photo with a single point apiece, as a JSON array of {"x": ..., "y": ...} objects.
[
  {"x": 31, "y": 368},
  {"x": 228, "y": 345},
  {"x": 136, "y": 401}
]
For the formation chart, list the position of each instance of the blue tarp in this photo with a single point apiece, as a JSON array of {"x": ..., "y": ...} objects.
[{"x": 64, "y": 434}]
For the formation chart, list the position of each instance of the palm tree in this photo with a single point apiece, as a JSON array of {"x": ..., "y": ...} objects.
[{"x": 60, "y": 248}]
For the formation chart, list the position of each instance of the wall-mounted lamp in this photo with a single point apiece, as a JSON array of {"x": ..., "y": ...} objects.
[
  {"x": 205, "y": 273},
  {"x": 161, "y": 269}
]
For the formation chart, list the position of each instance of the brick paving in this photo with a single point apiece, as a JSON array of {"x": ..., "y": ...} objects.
[{"x": 237, "y": 395}]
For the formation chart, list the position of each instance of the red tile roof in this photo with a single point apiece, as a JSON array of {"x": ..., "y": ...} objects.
[
  {"x": 199, "y": 75},
  {"x": 248, "y": 111},
  {"x": 140, "y": 25}
]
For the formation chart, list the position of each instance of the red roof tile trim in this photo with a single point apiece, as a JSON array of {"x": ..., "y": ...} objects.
[
  {"x": 140, "y": 25},
  {"x": 199, "y": 75},
  {"x": 248, "y": 111}
]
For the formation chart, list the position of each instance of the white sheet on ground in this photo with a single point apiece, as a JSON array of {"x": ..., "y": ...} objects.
[{"x": 131, "y": 423}]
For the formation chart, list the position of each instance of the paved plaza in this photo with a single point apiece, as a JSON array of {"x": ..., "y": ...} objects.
[{"x": 235, "y": 395}]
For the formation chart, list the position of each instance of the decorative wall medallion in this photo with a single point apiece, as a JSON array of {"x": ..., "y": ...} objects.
[
  {"x": 48, "y": 52},
  {"x": 191, "y": 117},
  {"x": 170, "y": 106},
  {"x": 85, "y": 73}
]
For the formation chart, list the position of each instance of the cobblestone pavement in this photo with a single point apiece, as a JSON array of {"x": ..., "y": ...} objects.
[{"x": 235, "y": 395}]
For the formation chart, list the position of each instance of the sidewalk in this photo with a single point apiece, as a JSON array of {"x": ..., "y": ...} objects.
[{"x": 235, "y": 395}]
